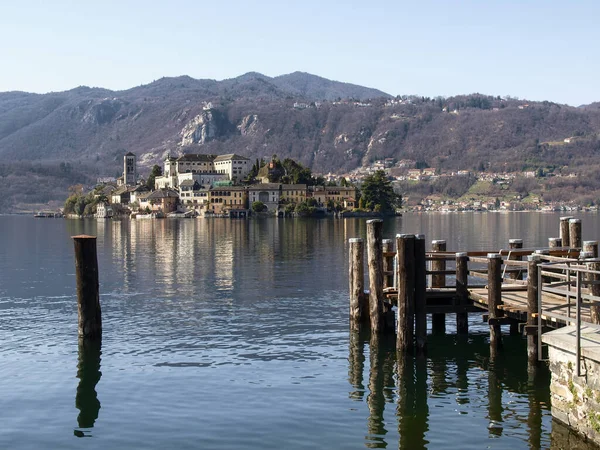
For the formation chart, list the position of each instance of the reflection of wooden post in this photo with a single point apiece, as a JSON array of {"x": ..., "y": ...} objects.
[
  {"x": 376, "y": 398},
  {"x": 575, "y": 233},
  {"x": 532, "y": 308},
  {"x": 495, "y": 399},
  {"x": 591, "y": 247},
  {"x": 438, "y": 320},
  {"x": 554, "y": 242},
  {"x": 405, "y": 244},
  {"x": 564, "y": 230},
  {"x": 462, "y": 292},
  {"x": 88, "y": 372},
  {"x": 88, "y": 295},
  {"x": 515, "y": 244},
  {"x": 358, "y": 312},
  {"x": 375, "y": 262},
  {"x": 534, "y": 417},
  {"x": 356, "y": 365},
  {"x": 494, "y": 299},
  {"x": 420, "y": 292},
  {"x": 388, "y": 263}
]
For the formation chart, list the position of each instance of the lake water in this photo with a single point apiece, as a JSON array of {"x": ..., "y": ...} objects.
[{"x": 234, "y": 334}]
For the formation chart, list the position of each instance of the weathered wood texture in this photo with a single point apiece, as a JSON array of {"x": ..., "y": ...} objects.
[
  {"x": 554, "y": 242},
  {"x": 405, "y": 243},
  {"x": 532, "y": 307},
  {"x": 515, "y": 244},
  {"x": 438, "y": 320},
  {"x": 575, "y": 233},
  {"x": 358, "y": 312},
  {"x": 420, "y": 292},
  {"x": 494, "y": 299},
  {"x": 388, "y": 263},
  {"x": 595, "y": 290},
  {"x": 88, "y": 288},
  {"x": 591, "y": 247},
  {"x": 462, "y": 292},
  {"x": 375, "y": 263},
  {"x": 564, "y": 230}
]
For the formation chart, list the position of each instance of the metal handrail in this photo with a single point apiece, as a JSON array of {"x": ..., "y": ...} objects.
[{"x": 578, "y": 271}]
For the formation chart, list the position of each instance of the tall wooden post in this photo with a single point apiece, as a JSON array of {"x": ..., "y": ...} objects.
[
  {"x": 375, "y": 262},
  {"x": 532, "y": 309},
  {"x": 592, "y": 247},
  {"x": 388, "y": 263},
  {"x": 575, "y": 233},
  {"x": 462, "y": 292},
  {"x": 358, "y": 310},
  {"x": 405, "y": 244},
  {"x": 554, "y": 242},
  {"x": 88, "y": 295},
  {"x": 494, "y": 300},
  {"x": 420, "y": 292},
  {"x": 438, "y": 320},
  {"x": 594, "y": 290},
  {"x": 564, "y": 230},
  {"x": 515, "y": 244}
]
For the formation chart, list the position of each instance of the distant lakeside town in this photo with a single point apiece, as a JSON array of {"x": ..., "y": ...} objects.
[
  {"x": 231, "y": 185},
  {"x": 201, "y": 185}
]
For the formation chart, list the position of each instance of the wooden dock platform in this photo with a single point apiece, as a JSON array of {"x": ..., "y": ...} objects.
[{"x": 555, "y": 286}]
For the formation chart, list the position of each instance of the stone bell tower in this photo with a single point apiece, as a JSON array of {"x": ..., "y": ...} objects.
[{"x": 129, "y": 169}]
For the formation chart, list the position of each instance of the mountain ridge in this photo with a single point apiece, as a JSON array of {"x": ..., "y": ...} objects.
[{"x": 80, "y": 134}]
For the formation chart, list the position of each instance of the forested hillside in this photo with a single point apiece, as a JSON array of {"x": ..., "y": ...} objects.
[{"x": 50, "y": 141}]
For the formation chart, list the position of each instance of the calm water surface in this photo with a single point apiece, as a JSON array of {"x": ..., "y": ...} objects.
[{"x": 234, "y": 334}]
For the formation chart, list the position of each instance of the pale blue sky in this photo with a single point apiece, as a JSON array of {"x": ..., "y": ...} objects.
[{"x": 539, "y": 50}]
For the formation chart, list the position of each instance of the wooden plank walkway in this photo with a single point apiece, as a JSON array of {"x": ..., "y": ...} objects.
[{"x": 515, "y": 305}]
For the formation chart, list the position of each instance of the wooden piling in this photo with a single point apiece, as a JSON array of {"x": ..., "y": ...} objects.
[
  {"x": 532, "y": 310},
  {"x": 462, "y": 293},
  {"x": 554, "y": 242},
  {"x": 564, "y": 230},
  {"x": 388, "y": 263},
  {"x": 358, "y": 310},
  {"x": 594, "y": 290},
  {"x": 420, "y": 291},
  {"x": 375, "y": 263},
  {"x": 88, "y": 295},
  {"x": 592, "y": 247},
  {"x": 438, "y": 320},
  {"x": 515, "y": 244},
  {"x": 575, "y": 233},
  {"x": 494, "y": 300},
  {"x": 405, "y": 245}
]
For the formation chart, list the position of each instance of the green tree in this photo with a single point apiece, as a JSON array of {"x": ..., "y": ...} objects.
[
  {"x": 155, "y": 172},
  {"x": 258, "y": 207},
  {"x": 377, "y": 190}
]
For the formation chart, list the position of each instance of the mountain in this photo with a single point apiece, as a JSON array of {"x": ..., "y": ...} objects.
[{"x": 50, "y": 141}]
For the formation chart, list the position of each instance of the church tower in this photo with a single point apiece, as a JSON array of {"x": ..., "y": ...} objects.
[{"x": 129, "y": 170}]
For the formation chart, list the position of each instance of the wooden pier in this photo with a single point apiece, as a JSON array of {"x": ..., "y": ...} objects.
[{"x": 532, "y": 290}]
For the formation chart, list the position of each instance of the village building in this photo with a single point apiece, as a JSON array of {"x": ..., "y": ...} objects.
[
  {"x": 338, "y": 194},
  {"x": 104, "y": 211},
  {"x": 293, "y": 193},
  {"x": 204, "y": 169},
  {"x": 161, "y": 200},
  {"x": 227, "y": 198},
  {"x": 267, "y": 193}
]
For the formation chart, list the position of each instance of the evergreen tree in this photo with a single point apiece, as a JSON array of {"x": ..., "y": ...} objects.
[{"x": 377, "y": 192}]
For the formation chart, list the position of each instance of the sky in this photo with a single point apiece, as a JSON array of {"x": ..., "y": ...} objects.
[{"x": 536, "y": 50}]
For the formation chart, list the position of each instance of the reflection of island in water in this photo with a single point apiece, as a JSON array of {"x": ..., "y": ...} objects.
[{"x": 88, "y": 372}]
